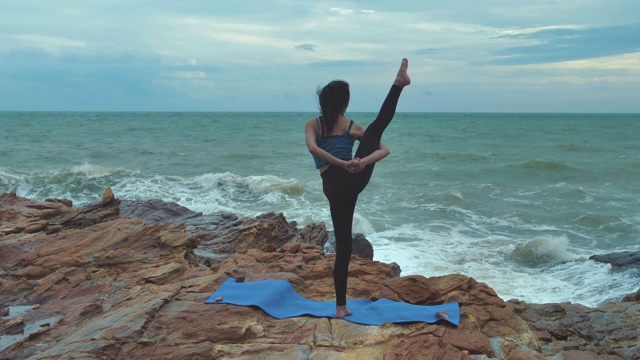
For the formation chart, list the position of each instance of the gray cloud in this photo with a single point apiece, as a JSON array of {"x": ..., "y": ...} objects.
[
  {"x": 306, "y": 47},
  {"x": 562, "y": 44}
]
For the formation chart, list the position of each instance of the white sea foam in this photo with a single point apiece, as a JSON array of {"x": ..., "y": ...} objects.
[
  {"x": 91, "y": 171},
  {"x": 220, "y": 192},
  {"x": 6, "y": 172},
  {"x": 552, "y": 271},
  {"x": 541, "y": 251}
]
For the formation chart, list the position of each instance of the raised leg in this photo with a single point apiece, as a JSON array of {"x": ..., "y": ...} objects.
[{"x": 370, "y": 141}]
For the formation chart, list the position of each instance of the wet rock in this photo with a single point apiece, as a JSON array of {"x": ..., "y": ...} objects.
[
  {"x": 396, "y": 269},
  {"x": 361, "y": 246},
  {"x": 156, "y": 211},
  {"x": 624, "y": 259},
  {"x": 84, "y": 217},
  {"x": 635, "y": 297}
]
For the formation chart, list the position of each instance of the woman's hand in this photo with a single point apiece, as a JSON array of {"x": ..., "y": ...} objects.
[{"x": 354, "y": 166}]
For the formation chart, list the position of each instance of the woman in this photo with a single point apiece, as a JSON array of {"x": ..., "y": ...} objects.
[{"x": 330, "y": 139}]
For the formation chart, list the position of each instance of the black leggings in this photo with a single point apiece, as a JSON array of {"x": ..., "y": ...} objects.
[{"x": 342, "y": 189}]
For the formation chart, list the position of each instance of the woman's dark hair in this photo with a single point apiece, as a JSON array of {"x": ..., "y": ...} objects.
[{"x": 333, "y": 99}]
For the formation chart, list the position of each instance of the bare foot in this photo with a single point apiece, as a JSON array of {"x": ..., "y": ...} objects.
[
  {"x": 342, "y": 311},
  {"x": 402, "y": 78}
]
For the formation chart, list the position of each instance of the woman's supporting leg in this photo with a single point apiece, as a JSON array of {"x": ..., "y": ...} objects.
[
  {"x": 342, "y": 198},
  {"x": 342, "y": 216}
]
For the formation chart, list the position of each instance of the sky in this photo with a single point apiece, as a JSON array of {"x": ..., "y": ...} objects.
[{"x": 260, "y": 55}]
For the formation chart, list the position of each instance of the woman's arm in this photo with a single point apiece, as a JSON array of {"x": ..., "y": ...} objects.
[
  {"x": 315, "y": 150},
  {"x": 375, "y": 156}
]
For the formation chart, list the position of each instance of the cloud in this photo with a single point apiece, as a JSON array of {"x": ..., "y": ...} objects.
[
  {"x": 568, "y": 44},
  {"x": 306, "y": 47},
  {"x": 235, "y": 55},
  {"x": 96, "y": 78},
  {"x": 427, "y": 51},
  {"x": 342, "y": 11},
  {"x": 367, "y": 65}
]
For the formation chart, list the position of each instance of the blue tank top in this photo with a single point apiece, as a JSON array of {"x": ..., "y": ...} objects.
[{"x": 340, "y": 146}]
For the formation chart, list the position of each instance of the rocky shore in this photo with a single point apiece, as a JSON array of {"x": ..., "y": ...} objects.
[{"x": 128, "y": 280}]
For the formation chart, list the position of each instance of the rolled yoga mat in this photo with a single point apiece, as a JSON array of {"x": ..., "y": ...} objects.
[{"x": 280, "y": 300}]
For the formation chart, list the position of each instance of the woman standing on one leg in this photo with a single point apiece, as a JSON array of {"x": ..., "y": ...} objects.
[{"x": 330, "y": 139}]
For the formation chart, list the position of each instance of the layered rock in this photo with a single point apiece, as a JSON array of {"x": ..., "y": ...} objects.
[
  {"x": 100, "y": 285},
  {"x": 223, "y": 234},
  {"x": 612, "y": 327}
]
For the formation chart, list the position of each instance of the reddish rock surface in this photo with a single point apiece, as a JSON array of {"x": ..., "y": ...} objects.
[{"x": 122, "y": 288}]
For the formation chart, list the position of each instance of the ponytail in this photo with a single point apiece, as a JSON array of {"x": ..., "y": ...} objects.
[{"x": 333, "y": 99}]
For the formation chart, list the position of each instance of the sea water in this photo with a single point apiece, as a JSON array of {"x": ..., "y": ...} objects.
[{"x": 518, "y": 201}]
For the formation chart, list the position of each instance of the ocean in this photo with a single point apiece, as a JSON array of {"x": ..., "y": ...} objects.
[{"x": 518, "y": 201}]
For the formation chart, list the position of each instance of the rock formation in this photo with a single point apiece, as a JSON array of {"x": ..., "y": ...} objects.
[
  {"x": 112, "y": 281},
  {"x": 619, "y": 260}
]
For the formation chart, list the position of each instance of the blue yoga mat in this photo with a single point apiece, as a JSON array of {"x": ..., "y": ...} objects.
[{"x": 280, "y": 300}]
